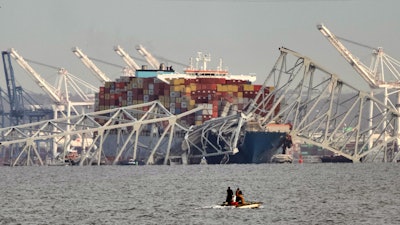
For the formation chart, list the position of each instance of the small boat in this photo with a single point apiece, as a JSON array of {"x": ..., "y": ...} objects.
[
  {"x": 132, "y": 162},
  {"x": 203, "y": 161},
  {"x": 72, "y": 157},
  {"x": 282, "y": 158},
  {"x": 247, "y": 205}
]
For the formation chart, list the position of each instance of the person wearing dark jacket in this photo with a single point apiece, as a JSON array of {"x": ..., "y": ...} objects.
[{"x": 229, "y": 195}]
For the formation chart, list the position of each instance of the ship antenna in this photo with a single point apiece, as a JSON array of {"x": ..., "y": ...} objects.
[
  {"x": 198, "y": 59},
  {"x": 191, "y": 63},
  {"x": 220, "y": 64},
  {"x": 206, "y": 58}
]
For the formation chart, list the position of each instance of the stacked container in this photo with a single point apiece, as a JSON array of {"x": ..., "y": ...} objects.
[{"x": 180, "y": 95}]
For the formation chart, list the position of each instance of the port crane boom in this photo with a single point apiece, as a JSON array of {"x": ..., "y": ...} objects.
[
  {"x": 125, "y": 56},
  {"x": 363, "y": 70},
  {"x": 373, "y": 75},
  {"x": 89, "y": 64},
  {"x": 149, "y": 58},
  {"x": 43, "y": 84}
]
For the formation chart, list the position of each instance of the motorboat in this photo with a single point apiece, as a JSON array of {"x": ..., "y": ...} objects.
[
  {"x": 246, "y": 205},
  {"x": 281, "y": 158}
]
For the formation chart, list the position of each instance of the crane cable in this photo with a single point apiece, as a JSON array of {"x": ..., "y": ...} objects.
[{"x": 356, "y": 43}]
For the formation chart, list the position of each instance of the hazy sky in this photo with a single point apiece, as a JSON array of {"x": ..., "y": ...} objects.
[{"x": 245, "y": 34}]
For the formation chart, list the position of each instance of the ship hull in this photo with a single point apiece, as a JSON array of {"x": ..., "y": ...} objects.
[
  {"x": 257, "y": 147},
  {"x": 335, "y": 159}
]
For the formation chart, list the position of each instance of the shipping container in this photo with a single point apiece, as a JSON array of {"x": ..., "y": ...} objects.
[{"x": 180, "y": 95}]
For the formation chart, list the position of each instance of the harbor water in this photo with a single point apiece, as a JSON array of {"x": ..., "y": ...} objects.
[{"x": 291, "y": 193}]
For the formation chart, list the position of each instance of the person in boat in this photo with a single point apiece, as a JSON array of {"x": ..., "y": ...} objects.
[
  {"x": 229, "y": 195},
  {"x": 236, "y": 194},
  {"x": 240, "y": 197}
]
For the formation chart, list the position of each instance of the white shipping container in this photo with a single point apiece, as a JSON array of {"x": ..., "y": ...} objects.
[{"x": 207, "y": 111}]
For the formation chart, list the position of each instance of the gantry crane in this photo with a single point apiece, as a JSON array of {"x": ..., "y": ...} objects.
[
  {"x": 60, "y": 95},
  {"x": 19, "y": 99},
  {"x": 14, "y": 92},
  {"x": 89, "y": 64},
  {"x": 149, "y": 58},
  {"x": 126, "y": 57},
  {"x": 2, "y": 112},
  {"x": 58, "y": 99},
  {"x": 374, "y": 75}
]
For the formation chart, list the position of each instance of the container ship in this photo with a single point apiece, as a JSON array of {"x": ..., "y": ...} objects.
[{"x": 217, "y": 91}]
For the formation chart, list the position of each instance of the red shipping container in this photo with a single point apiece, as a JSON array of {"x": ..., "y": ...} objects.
[
  {"x": 215, "y": 114},
  {"x": 120, "y": 85},
  {"x": 124, "y": 95},
  {"x": 257, "y": 87},
  {"x": 212, "y": 86}
]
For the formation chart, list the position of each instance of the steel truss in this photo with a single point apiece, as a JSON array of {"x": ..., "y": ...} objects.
[
  {"x": 126, "y": 124},
  {"x": 327, "y": 112},
  {"x": 323, "y": 110},
  {"x": 225, "y": 131}
]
